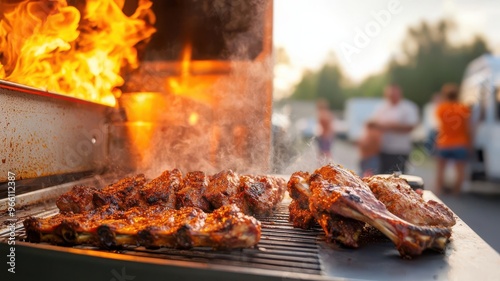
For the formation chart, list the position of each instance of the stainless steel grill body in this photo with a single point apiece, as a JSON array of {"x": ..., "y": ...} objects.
[{"x": 45, "y": 134}]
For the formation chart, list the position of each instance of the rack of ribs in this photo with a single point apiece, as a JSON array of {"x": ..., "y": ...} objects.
[
  {"x": 337, "y": 196},
  {"x": 124, "y": 194},
  {"x": 253, "y": 194},
  {"x": 153, "y": 226}
]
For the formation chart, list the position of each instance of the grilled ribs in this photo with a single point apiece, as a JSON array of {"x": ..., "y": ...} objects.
[
  {"x": 79, "y": 199},
  {"x": 162, "y": 189},
  {"x": 133, "y": 212},
  {"x": 302, "y": 215},
  {"x": 261, "y": 194},
  {"x": 193, "y": 189},
  {"x": 257, "y": 195},
  {"x": 252, "y": 194},
  {"x": 298, "y": 189},
  {"x": 341, "y": 203},
  {"x": 222, "y": 188},
  {"x": 125, "y": 193},
  {"x": 337, "y": 191},
  {"x": 154, "y": 226},
  {"x": 400, "y": 199},
  {"x": 225, "y": 228}
]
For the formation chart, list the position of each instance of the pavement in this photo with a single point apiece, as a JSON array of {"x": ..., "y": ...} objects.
[{"x": 478, "y": 205}]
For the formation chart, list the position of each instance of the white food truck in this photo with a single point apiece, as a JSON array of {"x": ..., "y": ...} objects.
[{"x": 481, "y": 90}]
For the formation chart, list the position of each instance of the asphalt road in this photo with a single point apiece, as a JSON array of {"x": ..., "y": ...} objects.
[{"x": 478, "y": 205}]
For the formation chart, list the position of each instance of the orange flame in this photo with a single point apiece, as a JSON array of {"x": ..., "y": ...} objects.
[
  {"x": 78, "y": 52},
  {"x": 193, "y": 118},
  {"x": 189, "y": 85}
]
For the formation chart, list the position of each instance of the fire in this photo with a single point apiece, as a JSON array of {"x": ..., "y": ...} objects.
[
  {"x": 78, "y": 51},
  {"x": 189, "y": 85},
  {"x": 193, "y": 118}
]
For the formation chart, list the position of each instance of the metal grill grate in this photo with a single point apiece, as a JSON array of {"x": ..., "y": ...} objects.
[{"x": 281, "y": 248}]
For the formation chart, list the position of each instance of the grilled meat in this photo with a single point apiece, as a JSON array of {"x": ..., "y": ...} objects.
[
  {"x": 78, "y": 199},
  {"x": 335, "y": 190},
  {"x": 261, "y": 193},
  {"x": 252, "y": 194},
  {"x": 191, "y": 194},
  {"x": 340, "y": 229},
  {"x": 124, "y": 193},
  {"x": 68, "y": 228},
  {"x": 154, "y": 226},
  {"x": 257, "y": 195},
  {"x": 162, "y": 189},
  {"x": 298, "y": 189},
  {"x": 401, "y": 200},
  {"x": 225, "y": 228},
  {"x": 222, "y": 188},
  {"x": 302, "y": 215}
]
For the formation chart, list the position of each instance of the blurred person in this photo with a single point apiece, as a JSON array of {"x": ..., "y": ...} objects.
[
  {"x": 369, "y": 150},
  {"x": 396, "y": 118},
  {"x": 431, "y": 126},
  {"x": 454, "y": 139},
  {"x": 326, "y": 134}
]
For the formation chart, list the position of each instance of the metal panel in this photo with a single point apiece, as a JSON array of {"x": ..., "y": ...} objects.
[{"x": 45, "y": 134}]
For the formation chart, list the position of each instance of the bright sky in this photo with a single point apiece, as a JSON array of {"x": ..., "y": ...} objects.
[{"x": 310, "y": 30}]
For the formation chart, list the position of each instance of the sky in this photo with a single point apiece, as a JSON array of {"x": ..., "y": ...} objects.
[{"x": 363, "y": 35}]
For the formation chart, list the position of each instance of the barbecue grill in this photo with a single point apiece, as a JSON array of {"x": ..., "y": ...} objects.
[
  {"x": 53, "y": 142},
  {"x": 284, "y": 253}
]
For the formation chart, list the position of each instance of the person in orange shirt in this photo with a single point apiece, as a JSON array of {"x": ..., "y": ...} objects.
[{"x": 453, "y": 140}]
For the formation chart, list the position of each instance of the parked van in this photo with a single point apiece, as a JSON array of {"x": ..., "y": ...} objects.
[{"x": 481, "y": 90}]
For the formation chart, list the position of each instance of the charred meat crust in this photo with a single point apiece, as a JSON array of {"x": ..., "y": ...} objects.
[
  {"x": 337, "y": 228},
  {"x": 225, "y": 228},
  {"x": 341, "y": 203},
  {"x": 400, "y": 199},
  {"x": 253, "y": 194},
  {"x": 79, "y": 199},
  {"x": 133, "y": 211}
]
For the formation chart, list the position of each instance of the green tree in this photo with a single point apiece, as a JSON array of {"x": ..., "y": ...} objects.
[
  {"x": 329, "y": 86},
  {"x": 371, "y": 86},
  {"x": 306, "y": 89},
  {"x": 430, "y": 60},
  {"x": 326, "y": 83}
]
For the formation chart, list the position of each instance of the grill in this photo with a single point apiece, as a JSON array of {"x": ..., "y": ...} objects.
[
  {"x": 281, "y": 248},
  {"x": 217, "y": 115},
  {"x": 282, "y": 253}
]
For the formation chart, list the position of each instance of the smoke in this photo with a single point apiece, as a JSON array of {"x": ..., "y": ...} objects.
[{"x": 222, "y": 119}]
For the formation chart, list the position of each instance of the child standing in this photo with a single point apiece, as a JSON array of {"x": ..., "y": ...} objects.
[{"x": 369, "y": 149}]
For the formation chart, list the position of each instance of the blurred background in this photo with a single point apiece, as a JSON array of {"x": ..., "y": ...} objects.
[{"x": 345, "y": 53}]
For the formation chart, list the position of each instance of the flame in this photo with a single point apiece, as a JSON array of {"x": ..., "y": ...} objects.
[
  {"x": 187, "y": 84},
  {"x": 140, "y": 135},
  {"x": 186, "y": 61},
  {"x": 78, "y": 52},
  {"x": 143, "y": 106},
  {"x": 193, "y": 119}
]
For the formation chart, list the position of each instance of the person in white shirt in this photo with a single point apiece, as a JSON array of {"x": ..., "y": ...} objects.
[
  {"x": 396, "y": 117},
  {"x": 430, "y": 123}
]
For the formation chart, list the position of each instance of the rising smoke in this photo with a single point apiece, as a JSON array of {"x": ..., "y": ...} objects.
[{"x": 232, "y": 124}]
